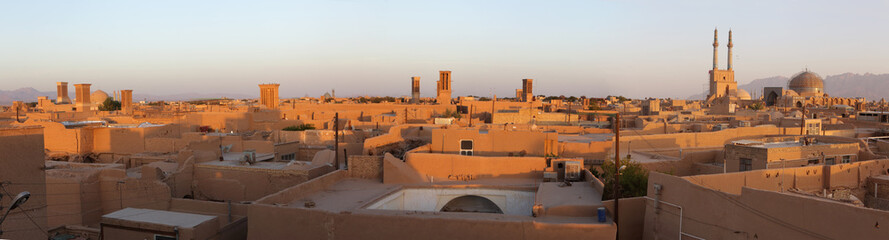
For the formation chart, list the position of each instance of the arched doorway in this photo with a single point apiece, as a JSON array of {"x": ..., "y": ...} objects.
[
  {"x": 799, "y": 104},
  {"x": 471, "y": 203},
  {"x": 772, "y": 99}
]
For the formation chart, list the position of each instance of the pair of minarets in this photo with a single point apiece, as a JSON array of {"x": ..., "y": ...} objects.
[{"x": 715, "y": 47}]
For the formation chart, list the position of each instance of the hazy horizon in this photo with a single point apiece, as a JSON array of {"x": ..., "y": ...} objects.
[{"x": 633, "y": 48}]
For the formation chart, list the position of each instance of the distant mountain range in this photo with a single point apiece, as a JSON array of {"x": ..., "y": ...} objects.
[
  {"x": 868, "y": 85},
  {"x": 31, "y": 94}
]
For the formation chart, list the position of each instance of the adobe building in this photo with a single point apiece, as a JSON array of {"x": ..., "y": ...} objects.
[
  {"x": 651, "y": 107},
  {"x": 527, "y": 90},
  {"x": 415, "y": 90},
  {"x": 444, "y": 88},
  {"x": 180, "y": 219},
  {"x": 788, "y": 151},
  {"x": 268, "y": 95},
  {"x": 21, "y": 155},
  {"x": 842, "y": 201},
  {"x": 82, "y": 99},
  {"x": 62, "y": 92},
  {"x": 476, "y": 197}
]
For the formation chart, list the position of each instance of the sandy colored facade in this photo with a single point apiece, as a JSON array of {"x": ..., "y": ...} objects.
[
  {"x": 269, "y": 95},
  {"x": 22, "y": 156},
  {"x": 781, "y": 152},
  {"x": 444, "y": 88},
  {"x": 349, "y": 204},
  {"x": 764, "y": 204}
]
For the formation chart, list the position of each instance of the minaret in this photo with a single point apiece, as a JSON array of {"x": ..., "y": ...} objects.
[
  {"x": 730, "y": 49},
  {"x": 715, "y": 45}
]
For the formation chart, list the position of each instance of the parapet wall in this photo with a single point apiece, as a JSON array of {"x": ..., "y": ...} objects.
[
  {"x": 459, "y": 167},
  {"x": 274, "y": 222},
  {"x": 814, "y": 178},
  {"x": 738, "y": 205}
]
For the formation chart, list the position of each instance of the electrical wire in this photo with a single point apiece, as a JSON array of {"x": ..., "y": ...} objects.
[{"x": 26, "y": 214}]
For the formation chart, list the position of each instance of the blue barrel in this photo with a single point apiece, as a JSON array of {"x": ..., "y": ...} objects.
[{"x": 601, "y": 213}]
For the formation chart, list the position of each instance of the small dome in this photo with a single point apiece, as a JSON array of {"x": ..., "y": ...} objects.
[
  {"x": 743, "y": 94},
  {"x": 98, "y": 97},
  {"x": 791, "y": 93},
  {"x": 806, "y": 82}
]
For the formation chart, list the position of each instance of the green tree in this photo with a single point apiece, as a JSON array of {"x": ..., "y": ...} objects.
[
  {"x": 633, "y": 179},
  {"x": 757, "y": 106},
  {"x": 109, "y": 105},
  {"x": 451, "y": 114}
]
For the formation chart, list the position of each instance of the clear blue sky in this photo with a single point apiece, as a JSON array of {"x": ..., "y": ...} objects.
[{"x": 593, "y": 48}]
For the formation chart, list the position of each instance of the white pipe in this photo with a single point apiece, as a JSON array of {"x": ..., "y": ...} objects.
[{"x": 680, "y": 218}]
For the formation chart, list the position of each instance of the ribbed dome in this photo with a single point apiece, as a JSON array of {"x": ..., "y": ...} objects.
[
  {"x": 98, "y": 97},
  {"x": 743, "y": 94},
  {"x": 806, "y": 82}
]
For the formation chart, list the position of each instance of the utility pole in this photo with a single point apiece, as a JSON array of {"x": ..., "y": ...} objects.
[
  {"x": 568, "y": 115},
  {"x": 493, "y": 100},
  {"x": 470, "y": 114},
  {"x": 336, "y": 142},
  {"x": 616, "y": 173}
]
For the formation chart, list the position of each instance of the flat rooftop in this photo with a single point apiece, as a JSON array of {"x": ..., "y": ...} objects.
[
  {"x": 360, "y": 195},
  {"x": 345, "y": 195},
  {"x": 785, "y": 144},
  {"x": 586, "y": 138},
  {"x": 167, "y": 218},
  {"x": 236, "y": 163}
]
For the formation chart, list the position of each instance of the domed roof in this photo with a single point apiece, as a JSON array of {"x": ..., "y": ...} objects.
[
  {"x": 98, "y": 96},
  {"x": 743, "y": 94},
  {"x": 791, "y": 93},
  {"x": 806, "y": 82}
]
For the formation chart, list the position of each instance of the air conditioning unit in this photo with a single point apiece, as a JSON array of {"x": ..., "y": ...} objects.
[
  {"x": 573, "y": 170},
  {"x": 569, "y": 169},
  {"x": 249, "y": 156}
]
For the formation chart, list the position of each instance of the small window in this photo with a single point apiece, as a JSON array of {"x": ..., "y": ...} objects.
[
  {"x": 830, "y": 161},
  {"x": 466, "y": 147},
  {"x": 813, "y": 162},
  {"x": 847, "y": 159},
  {"x": 746, "y": 164},
  {"x": 288, "y": 157},
  {"x": 465, "y": 144}
]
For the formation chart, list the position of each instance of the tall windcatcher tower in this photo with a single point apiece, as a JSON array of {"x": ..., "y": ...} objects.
[
  {"x": 126, "y": 100},
  {"x": 444, "y": 87},
  {"x": 82, "y": 97},
  {"x": 527, "y": 91},
  {"x": 62, "y": 92},
  {"x": 415, "y": 90},
  {"x": 268, "y": 95}
]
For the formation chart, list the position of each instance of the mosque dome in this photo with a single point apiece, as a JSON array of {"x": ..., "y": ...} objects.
[
  {"x": 806, "y": 83},
  {"x": 791, "y": 93},
  {"x": 98, "y": 97},
  {"x": 743, "y": 94}
]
